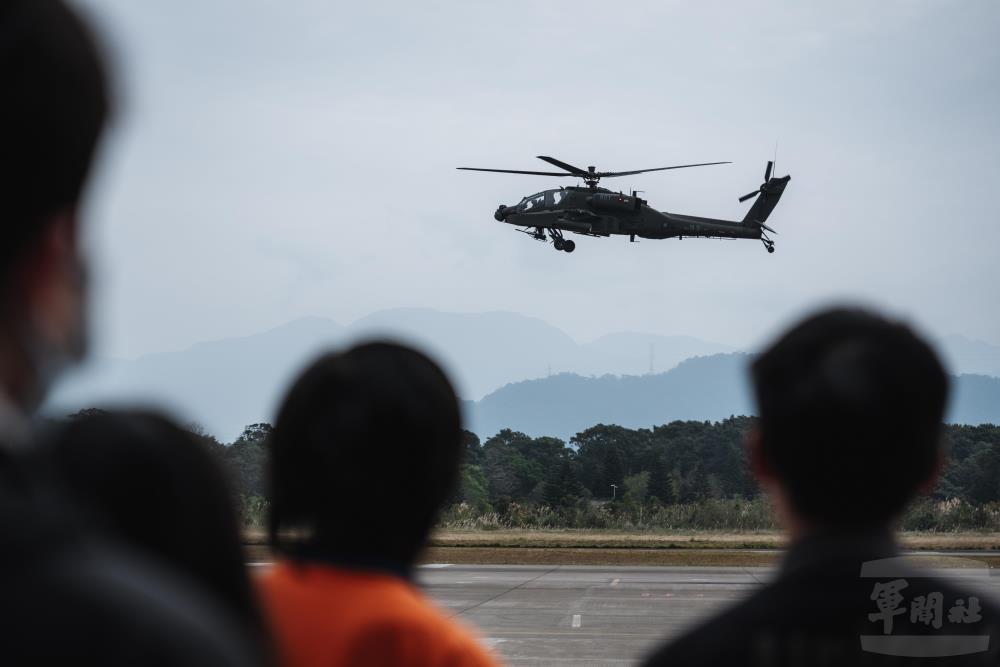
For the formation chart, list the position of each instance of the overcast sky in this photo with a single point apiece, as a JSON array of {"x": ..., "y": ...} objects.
[{"x": 272, "y": 160}]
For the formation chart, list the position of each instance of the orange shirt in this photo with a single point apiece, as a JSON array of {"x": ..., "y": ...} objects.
[{"x": 328, "y": 616}]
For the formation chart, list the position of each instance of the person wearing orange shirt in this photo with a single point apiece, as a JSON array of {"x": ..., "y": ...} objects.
[{"x": 365, "y": 450}]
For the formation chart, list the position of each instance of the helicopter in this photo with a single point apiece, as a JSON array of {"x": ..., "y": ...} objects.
[{"x": 594, "y": 211}]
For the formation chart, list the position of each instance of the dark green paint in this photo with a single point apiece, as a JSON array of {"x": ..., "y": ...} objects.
[{"x": 597, "y": 211}]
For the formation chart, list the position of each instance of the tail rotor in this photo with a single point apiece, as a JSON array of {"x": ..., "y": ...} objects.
[
  {"x": 767, "y": 196},
  {"x": 762, "y": 189}
]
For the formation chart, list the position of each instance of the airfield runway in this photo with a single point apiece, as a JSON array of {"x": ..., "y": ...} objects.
[
  {"x": 542, "y": 615},
  {"x": 581, "y": 615}
]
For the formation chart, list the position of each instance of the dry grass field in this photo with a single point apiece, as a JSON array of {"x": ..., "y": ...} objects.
[
  {"x": 598, "y": 556},
  {"x": 594, "y": 547},
  {"x": 598, "y": 539},
  {"x": 595, "y": 539},
  {"x": 703, "y": 548}
]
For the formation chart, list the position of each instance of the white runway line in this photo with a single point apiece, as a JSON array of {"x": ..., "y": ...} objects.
[
  {"x": 436, "y": 566},
  {"x": 576, "y": 620},
  {"x": 615, "y": 582}
]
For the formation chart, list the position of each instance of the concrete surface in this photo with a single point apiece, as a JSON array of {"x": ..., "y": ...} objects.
[
  {"x": 580, "y": 615},
  {"x": 542, "y": 615}
]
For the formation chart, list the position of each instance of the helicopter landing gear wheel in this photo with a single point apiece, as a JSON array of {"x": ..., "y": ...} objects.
[
  {"x": 768, "y": 243},
  {"x": 559, "y": 244},
  {"x": 569, "y": 246}
]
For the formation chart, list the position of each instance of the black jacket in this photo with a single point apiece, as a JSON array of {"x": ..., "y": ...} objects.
[
  {"x": 67, "y": 599},
  {"x": 823, "y": 609}
]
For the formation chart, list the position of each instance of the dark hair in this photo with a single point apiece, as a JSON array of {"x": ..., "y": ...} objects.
[
  {"x": 157, "y": 489},
  {"x": 851, "y": 407},
  {"x": 55, "y": 103},
  {"x": 365, "y": 449}
]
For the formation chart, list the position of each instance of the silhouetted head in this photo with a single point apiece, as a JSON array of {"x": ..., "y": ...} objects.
[
  {"x": 364, "y": 451},
  {"x": 851, "y": 407},
  {"x": 54, "y": 105},
  {"x": 157, "y": 489}
]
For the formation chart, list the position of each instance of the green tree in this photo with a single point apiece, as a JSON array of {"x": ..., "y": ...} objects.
[
  {"x": 614, "y": 472},
  {"x": 509, "y": 471},
  {"x": 473, "y": 488},
  {"x": 592, "y": 446},
  {"x": 472, "y": 449},
  {"x": 562, "y": 489},
  {"x": 245, "y": 460},
  {"x": 980, "y": 475},
  {"x": 661, "y": 483},
  {"x": 701, "y": 488},
  {"x": 636, "y": 488}
]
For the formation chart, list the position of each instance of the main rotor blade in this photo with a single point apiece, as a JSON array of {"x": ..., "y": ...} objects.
[
  {"x": 749, "y": 196},
  {"x": 563, "y": 165},
  {"x": 610, "y": 174},
  {"x": 518, "y": 171}
]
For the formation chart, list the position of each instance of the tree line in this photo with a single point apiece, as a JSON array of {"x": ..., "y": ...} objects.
[
  {"x": 607, "y": 472},
  {"x": 680, "y": 463}
]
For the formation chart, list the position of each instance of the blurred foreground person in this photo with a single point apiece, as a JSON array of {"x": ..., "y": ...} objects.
[
  {"x": 154, "y": 487},
  {"x": 850, "y": 410},
  {"x": 365, "y": 449},
  {"x": 63, "y": 598}
]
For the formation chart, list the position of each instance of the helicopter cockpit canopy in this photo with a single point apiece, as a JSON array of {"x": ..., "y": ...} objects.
[
  {"x": 542, "y": 200},
  {"x": 532, "y": 202}
]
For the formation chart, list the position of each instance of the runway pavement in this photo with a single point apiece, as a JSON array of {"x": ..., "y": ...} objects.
[
  {"x": 580, "y": 615},
  {"x": 541, "y": 615}
]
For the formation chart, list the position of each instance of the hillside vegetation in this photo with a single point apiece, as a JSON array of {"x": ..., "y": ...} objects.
[{"x": 685, "y": 475}]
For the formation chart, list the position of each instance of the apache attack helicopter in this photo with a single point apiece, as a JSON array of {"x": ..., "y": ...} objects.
[{"x": 594, "y": 211}]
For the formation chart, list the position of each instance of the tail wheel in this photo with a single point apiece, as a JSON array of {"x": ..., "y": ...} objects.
[{"x": 569, "y": 246}]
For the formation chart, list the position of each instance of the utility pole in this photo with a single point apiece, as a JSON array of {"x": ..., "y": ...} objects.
[{"x": 614, "y": 491}]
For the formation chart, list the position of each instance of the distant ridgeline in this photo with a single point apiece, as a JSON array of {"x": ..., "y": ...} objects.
[
  {"x": 703, "y": 388},
  {"x": 685, "y": 474},
  {"x": 225, "y": 384}
]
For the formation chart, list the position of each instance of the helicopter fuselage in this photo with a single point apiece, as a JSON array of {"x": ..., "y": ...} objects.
[
  {"x": 597, "y": 211},
  {"x": 602, "y": 212}
]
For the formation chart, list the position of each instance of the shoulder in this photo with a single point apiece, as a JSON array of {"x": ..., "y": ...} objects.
[
  {"x": 733, "y": 635},
  {"x": 819, "y": 617},
  {"x": 364, "y": 618},
  {"x": 66, "y": 595},
  {"x": 420, "y": 635},
  {"x": 110, "y": 608},
  {"x": 423, "y": 629},
  {"x": 723, "y": 639}
]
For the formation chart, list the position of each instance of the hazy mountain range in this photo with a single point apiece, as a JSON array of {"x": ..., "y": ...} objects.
[
  {"x": 703, "y": 388},
  {"x": 527, "y": 373}
]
